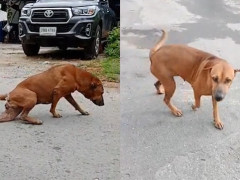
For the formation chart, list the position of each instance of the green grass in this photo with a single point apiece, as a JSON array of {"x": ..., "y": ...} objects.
[
  {"x": 111, "y": 69},
  {"x": 107, "y": 68},
  {"x": 111, "y": 64},
  {"x": 113, "y": 44}
]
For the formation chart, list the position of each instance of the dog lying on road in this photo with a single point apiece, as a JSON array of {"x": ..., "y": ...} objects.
[
  {"x": 208, "y": 74},
  {"x": 47, "y": 88}
]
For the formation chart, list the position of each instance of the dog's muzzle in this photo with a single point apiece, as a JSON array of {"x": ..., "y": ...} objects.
[
  {"x": 219, "y": 95},
  {"x": 99, "y": 102}
]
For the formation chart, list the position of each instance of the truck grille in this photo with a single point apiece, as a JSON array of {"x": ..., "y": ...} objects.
[
  {"x": 61, "y": 28},
  {"x": 59, "y": 15}
]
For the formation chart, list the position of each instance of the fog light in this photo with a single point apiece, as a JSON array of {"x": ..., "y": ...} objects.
[
  {"x": 88, "y": 29},
  {"x": 20, "y": 29}
]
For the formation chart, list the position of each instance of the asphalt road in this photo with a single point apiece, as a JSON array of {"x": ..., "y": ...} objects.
[
  {"x": 154, "y": 143},
  {"x": 73, "y": 147}
]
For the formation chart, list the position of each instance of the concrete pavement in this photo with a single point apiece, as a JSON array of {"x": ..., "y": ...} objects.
[
  {"x": 73, "y": 147},
  {"x": 154, "y": 143}
]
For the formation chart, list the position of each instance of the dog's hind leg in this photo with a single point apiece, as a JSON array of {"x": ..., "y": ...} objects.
[
  {"x": 28, "y": 105},
  {"x": 70, "y": 99},
  {"x": 27, "y": 100},
  {"x": 159, "y": 87},
  {"x": 170, "y": 86},
  {"x": 24, "y": 116},
  {"x": 197, "y": 98},
  {"x": 10, "y": 113}
]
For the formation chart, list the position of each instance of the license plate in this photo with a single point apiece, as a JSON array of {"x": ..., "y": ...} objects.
[{"x": 48, "y": 31}]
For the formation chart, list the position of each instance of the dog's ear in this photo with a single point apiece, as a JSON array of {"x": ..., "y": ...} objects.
[
  {"x": 209, "y": 65},
  {"x": 93, "y": 85},
  {"x": 209, "y": 62}
]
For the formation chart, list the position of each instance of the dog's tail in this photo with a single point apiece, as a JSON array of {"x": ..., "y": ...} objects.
[
  {"x": 159, "y": 44},
  {"x": 236, "y": 70},
  {"x": 3, "y": 97}
]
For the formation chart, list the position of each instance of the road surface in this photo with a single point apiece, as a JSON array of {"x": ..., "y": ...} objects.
[
  {"x": 73, "y": 147},
  {"x": 154, "y": 143}
]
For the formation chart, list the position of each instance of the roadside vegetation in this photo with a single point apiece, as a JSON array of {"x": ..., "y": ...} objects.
[
  {"x": 111, "y": 64},
  {"x": 107, "y": 67}
]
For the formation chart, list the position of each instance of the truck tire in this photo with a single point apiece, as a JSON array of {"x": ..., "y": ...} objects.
[
  {"x": 31, "y": 49},
  {"x": 93, "y": 49}
]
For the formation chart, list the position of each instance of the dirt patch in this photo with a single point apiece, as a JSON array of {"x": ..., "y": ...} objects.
[{"x": 14, "y": 63}]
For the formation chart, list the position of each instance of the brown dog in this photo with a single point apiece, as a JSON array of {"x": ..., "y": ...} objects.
[
  {"x": 47, "y": 88},
  {"x": 208, "y": 74}
]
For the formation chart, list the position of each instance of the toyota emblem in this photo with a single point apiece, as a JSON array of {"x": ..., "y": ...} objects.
[{"x": 48, "y": 13}]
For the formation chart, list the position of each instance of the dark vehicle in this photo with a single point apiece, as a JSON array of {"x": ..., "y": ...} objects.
[
  {"x": 115, "y": 5},
  {"x": 72, "y": 23}
]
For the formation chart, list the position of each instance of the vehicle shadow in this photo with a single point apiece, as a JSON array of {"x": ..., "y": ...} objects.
[{"x": 56, "y": 54}]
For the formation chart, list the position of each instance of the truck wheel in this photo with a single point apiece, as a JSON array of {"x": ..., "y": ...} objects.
[
  {"x": 93, "y": 49},
  {"x": 31, "y": 49}
]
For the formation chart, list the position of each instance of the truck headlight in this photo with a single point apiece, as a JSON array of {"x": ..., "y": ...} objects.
[
  {"x": 25, "y": 12},
  {"x": 84, "y": 11}
]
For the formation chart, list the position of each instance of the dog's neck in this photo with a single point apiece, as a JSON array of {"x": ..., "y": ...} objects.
[
  {"x": 84, "y": 80},
  {"x": 205, "y": 65}
]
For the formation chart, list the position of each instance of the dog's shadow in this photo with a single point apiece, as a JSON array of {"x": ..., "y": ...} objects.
[{"x": 160, "y": 115}]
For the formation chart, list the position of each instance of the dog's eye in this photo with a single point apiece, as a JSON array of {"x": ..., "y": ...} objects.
[
  {"x": 215, "y": 79},
  {"x": 228, "y": 81}
]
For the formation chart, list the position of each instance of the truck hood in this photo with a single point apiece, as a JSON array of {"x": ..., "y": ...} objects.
[{"x": 61, "y": 4}]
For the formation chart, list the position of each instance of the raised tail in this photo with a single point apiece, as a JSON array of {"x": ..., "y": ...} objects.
[
  {"x": 3, "y": 97},
  {"x": 159, "y": 44}
]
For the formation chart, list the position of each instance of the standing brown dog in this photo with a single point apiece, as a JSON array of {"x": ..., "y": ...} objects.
[
  {"x": 208, "y": 74},
  {"x": 47, "y": 88}
]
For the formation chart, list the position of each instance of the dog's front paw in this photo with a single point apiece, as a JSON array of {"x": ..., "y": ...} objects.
[
  {"x": 194, "y": 107},
  {"x": 56, "y": 115},
  {"x": 177, "y": 112},
  {"x": 218, "y": 124},
  {"x": 39, "y": 122},
  {"x": 85, "y": 113},
  {"x": 33, "y": 121}
]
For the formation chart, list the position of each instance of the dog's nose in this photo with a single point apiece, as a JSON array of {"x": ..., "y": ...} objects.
[
  {"x": 219, "y": 96},
  {"x": 99, "y": 102}
]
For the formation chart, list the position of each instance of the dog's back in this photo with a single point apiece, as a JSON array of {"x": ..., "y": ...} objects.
[
  {"x": 44, "y": 83},
  {"x": 176, "y": 59}
]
